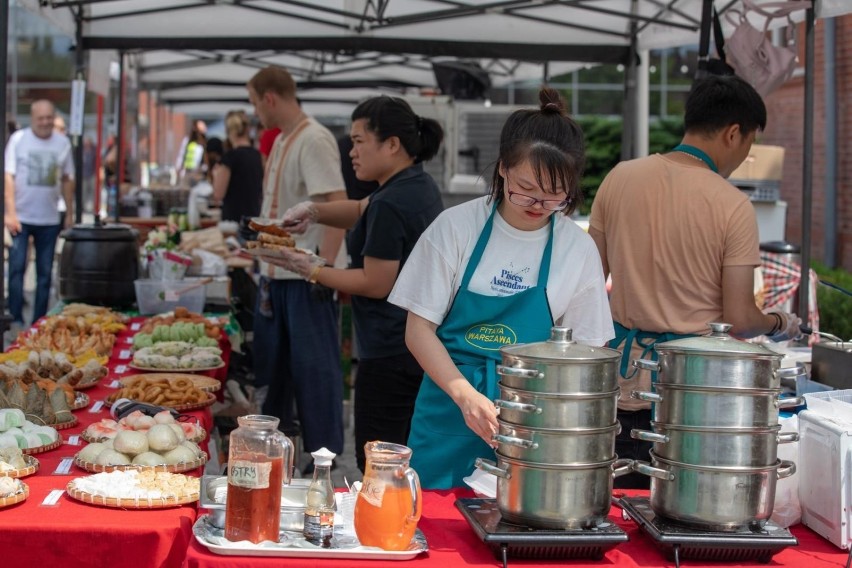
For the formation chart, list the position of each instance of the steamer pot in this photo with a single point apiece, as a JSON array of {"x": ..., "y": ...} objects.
[
  {"x": 713, "y": 498},
  {"x": 554, "y": 497},
  {"x": 715, "y": 360},
  {"x": 716, "y": 408},
  {"x": 559, "y": 365},
  {"x": 733, "y": 447},
  {"x": 553, "y": 410},
  {"x": 577, "y": 446}
]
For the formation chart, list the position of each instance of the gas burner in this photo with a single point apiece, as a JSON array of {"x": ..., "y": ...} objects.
[
  {"x": 678, "y": 541},
  {"x": 510, "y": 540}
]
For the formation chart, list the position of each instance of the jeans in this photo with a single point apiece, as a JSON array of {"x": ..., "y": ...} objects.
[
  {"x": 627, "y": 447},
  {"x": 385, "y": 391},
  {"x": 44, "y": 238},
  {"x": 297, "y": 353}
]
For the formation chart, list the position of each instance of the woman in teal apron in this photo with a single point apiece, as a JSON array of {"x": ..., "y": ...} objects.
[{"x": 484, "y": 257}]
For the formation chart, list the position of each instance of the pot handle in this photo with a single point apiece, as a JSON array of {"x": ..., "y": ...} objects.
[
  {"x": 786, "y": 469},
  {"x": 489, "y": 466},
  {"x": 647, "y": 365},
  {"x": 786, "y": 437},
  {"x": 790, "y": 372},
  {"x": 512, "y": 441},
  {"x": 646, "y": 396},
  {"x": 645, "y": 468},
  {"x": 519, "y": 406},
  {"x": 521, "y": 373},
  {"x": 649, "y": 436},
  {"x": 621, "y": 467},
  {"x": 790, "y": 402}
]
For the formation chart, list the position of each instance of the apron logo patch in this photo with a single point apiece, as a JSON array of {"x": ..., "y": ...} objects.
[{"x": 490, "y": 337}]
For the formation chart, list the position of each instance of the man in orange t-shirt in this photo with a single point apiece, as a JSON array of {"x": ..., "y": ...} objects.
[{"x": 681, "y": 244}]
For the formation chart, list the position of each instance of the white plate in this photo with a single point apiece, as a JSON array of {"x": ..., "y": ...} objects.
[
  {"x": 205, "y": 533},
  {"x": 272, "y": 253}
]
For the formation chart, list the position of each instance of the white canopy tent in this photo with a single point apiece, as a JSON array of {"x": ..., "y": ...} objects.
[{"x": 186, "y": 46}]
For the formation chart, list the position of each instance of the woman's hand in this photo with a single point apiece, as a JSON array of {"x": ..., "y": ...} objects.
[
  {"x": 298, "y": 218},
  {"x": 301, "y": 263},
  {"x": 480, "y": 414}
]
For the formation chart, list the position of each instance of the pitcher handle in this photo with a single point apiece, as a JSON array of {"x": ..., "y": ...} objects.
[
  {"x": 289, "y": 452},
  {"x": 416, "y": 494}
]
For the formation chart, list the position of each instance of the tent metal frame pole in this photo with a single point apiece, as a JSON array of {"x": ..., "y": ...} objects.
[
  {"x": 5, "y": 317},
  {"x": 807, "y": 168},
  {"x": 119, "y": 169},
  {"x": 78, "y": 149}
]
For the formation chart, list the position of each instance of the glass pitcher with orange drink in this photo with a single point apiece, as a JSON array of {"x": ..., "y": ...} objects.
[
  {"x": 389, "y": 504},
  {"x": 260, "y": 460}
]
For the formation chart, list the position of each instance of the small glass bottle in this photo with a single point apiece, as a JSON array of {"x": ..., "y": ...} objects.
[{"x": 319, "y": 506}]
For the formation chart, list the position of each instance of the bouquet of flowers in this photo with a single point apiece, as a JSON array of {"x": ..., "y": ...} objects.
[{"x": 165, "y": 262}]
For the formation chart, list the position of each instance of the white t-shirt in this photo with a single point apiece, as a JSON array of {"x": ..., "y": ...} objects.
[
  {"x": 510, "y": 263},
  {"x": 311, "y": 167},
  {"x": 38, "y": 166}
]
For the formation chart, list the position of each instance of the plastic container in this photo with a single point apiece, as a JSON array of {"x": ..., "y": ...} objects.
[
  {"x": 157, "y": 296},
  {"x": 824, "y": 469}
]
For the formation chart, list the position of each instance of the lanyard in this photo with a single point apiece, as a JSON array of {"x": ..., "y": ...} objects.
[{"x": 697, "y": 153}]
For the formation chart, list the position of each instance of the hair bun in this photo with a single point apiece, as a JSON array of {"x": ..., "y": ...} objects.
[{"x": 551, "y": 107}]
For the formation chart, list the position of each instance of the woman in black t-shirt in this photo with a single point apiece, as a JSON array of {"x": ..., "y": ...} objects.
[{"x": 238, "y": 178}]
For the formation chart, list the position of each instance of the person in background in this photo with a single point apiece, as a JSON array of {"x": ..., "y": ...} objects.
[
  {"x": 681, "y": 244},
  {"x": 213, "y": 152},
  {"x": 39, "y": 169},
  {"x": 191, "y": 153},
  {"x": 511, "y": 264},
  {"x": 389, "y": 144},
  {"x": 238, "y": 178},
  {"x": 296, "y": 338},
  {"x": 265, "y": 142}
]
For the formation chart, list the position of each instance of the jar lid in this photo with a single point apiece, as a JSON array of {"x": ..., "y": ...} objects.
[
  {"x": 718, "y": 342},
  {"x": 560, "y": 347},
  {"x": 323, "y": 457}
]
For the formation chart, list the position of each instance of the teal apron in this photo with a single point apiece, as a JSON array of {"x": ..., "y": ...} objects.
[
  {"x": 476, "y": 326},
  {"x": 645, "y": 339}
]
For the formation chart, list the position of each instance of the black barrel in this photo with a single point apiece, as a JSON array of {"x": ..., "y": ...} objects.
[{"x": 99, "y": 264}]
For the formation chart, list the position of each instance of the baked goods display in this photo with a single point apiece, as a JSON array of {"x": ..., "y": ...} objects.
[
  {"x": 107, "y": 428},
  {"x": 18, "y": 432},
  {"x": 135, "y": 489},
  {"x": 30, "y": 365},
  {"x": 62, "y": 339},
  {"x": 270, "y": 237},
  {"x": 194, "y": 333},
  {"x": 177, "y": 355},
  {"x": 175, "y": 393},
  {"x": 14, "y": 463},
  {"x": 42, "y": 401},
  {"x": 12, "y": 491},
  {"x": 163, "y": 446},
  {"x": 212, "y": 326}
]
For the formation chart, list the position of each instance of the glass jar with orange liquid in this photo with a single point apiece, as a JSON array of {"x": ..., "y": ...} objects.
[
  {"x": 389, "y": 504},
  {"x": 260, "y": 460}
]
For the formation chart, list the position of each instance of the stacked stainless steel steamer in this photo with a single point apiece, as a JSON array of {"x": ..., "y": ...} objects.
[
  {"x": 714, "y": 463},
  {"x": 556, "y": 444}
]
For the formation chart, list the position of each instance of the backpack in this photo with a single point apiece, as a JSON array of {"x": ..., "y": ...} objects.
[{"x": 750, "y": 51}]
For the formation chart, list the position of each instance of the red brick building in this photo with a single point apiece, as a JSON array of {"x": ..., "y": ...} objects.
[{"x": 785, "y": 128}]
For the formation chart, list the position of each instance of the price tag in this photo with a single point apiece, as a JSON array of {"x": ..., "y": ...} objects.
[
  {"x": 115, "y": 385},
  {"x": 52, "y": 499},
  {"x": 135, "y": 326},
  {"x": 74, "y": 440},
  {"x": 129, "y": 339},
  {"x": 97, "y": 407},
  {"x": 64, "y": 467},
  {"x": 124, "y": 354},
  {"x": 120, "y": 369}
]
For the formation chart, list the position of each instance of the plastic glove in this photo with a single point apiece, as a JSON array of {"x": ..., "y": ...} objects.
[
  {"x": 789, "y": 326},
  {"x": 298, "y": 218},
  {"x": 301, "y": 263}
]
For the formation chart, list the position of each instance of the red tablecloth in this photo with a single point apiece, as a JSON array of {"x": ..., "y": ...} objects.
[
  {"x": 453, "y": 543},
  {"x": 72, "y": 533}
]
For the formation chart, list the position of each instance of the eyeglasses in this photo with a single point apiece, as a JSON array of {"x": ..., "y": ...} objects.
[{"x": 527, "y": 201}]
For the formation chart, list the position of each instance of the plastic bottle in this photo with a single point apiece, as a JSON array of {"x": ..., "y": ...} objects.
[{"x": 319, "y": 506}]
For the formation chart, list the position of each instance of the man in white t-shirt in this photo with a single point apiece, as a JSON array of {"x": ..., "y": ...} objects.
[
  {"x": 39, "y": 170},
  {"x": 296, "y": 341}
]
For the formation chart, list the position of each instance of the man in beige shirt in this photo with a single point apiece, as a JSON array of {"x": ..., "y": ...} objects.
[
  {"x": 296, "y": 338},
  {"x": 681, "y": 243}
]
